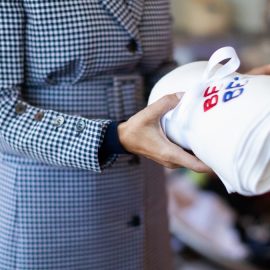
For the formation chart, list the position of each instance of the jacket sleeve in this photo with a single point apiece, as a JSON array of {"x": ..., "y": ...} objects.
[{"x": 45, "y": 135}]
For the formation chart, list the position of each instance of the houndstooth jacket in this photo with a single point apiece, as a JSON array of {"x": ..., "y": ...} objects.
[{"x": 67, "y": 69}]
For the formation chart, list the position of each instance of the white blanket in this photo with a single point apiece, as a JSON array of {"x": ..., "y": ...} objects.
[{"x": 224, "y": 118}]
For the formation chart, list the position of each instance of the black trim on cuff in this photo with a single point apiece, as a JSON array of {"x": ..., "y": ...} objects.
[{"x": 111, "y": 143}]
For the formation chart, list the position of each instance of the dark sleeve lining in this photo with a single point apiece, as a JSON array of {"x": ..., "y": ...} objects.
[{"x": 111, "y": 143}]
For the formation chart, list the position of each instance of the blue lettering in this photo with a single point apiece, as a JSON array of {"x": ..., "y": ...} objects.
[
  {"x": 236, "y": 83},
  {"x": 232, "y": 94}
]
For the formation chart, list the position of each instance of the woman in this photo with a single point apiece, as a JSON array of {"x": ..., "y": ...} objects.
[{"x": 71, "y": 70}]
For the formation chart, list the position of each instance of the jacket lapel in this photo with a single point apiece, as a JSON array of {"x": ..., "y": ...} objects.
[
  {"x": 136, "y": 7},
  {"x": 128, "y": 15}
]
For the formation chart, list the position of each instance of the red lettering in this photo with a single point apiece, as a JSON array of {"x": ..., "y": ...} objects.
[
  {"x": 210, "y": 103},
  {"x": 213, "y": 91}
]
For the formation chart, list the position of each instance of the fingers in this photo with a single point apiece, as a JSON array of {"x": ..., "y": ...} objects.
[
  {"x": 163, "y": 105},
  {"x": 181, "y": 158},
  {"x": 264, "y": 70},
  {"x": 193, "y": 163},
  {"x": 143, "y": 135}
]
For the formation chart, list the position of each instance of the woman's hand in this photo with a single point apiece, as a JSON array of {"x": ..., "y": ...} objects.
[
  {"x": 142, "y": 134},
  {"x": 263, "y": 70}
]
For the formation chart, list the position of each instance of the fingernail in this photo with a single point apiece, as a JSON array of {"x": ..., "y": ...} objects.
[{"x": 179, "y": 95}]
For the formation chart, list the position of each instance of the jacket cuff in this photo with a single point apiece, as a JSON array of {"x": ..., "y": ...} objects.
[{"x": 111, "y": 145}]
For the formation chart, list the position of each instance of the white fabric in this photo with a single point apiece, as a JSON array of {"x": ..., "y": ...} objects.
[{"x": 224, "y": 118}]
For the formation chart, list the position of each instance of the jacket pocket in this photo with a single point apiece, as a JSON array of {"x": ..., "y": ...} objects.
[
  {"x": 69, "y": 72},
  {"x": 125, "y": 97}
]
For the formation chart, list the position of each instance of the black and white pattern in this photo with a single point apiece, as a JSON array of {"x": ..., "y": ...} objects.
[{"x": 67, "y": 69}]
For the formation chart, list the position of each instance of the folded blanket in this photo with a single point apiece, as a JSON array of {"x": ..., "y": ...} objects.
[{"x": 224, "y": 118}]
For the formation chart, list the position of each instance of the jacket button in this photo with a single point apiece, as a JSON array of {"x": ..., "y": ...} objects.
[
  {"x": 135, "y": 221},
  {"x": 20, "y": 108},
  {"x": 80, "y": 126},
  {"x": 58, "y": 121},
  {"x": 50, "y": 79},
  {"x": 135, "y": 160},
  {"x": 39, "y": 116},
  {"x": 132, "y": 46}
]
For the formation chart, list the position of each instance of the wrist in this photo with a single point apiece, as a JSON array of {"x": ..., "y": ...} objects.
[{"x": 121, "y": 130}]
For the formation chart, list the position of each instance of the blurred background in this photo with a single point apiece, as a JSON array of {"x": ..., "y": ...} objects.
[
  {"x": 211, "y": 229},
  {"x": 202, "y": 26}
]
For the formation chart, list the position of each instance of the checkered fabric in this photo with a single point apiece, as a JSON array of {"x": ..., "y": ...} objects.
[{"x": 67, "y": 69}]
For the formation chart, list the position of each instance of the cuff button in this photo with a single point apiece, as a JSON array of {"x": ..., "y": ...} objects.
[
  {"x": 39, "y": 116},
  {"x": 20, "y": 108},
  {"x": 80, "y": 126},
  {"x": 58, "y": 121}
]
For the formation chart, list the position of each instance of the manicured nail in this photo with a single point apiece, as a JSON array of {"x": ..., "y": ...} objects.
[{"x": 179, "y": 95}]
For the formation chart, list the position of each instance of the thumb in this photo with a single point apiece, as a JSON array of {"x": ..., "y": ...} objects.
[
  {"x": 263, "y": 70},
  {"x": 165, "y": 104}
]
